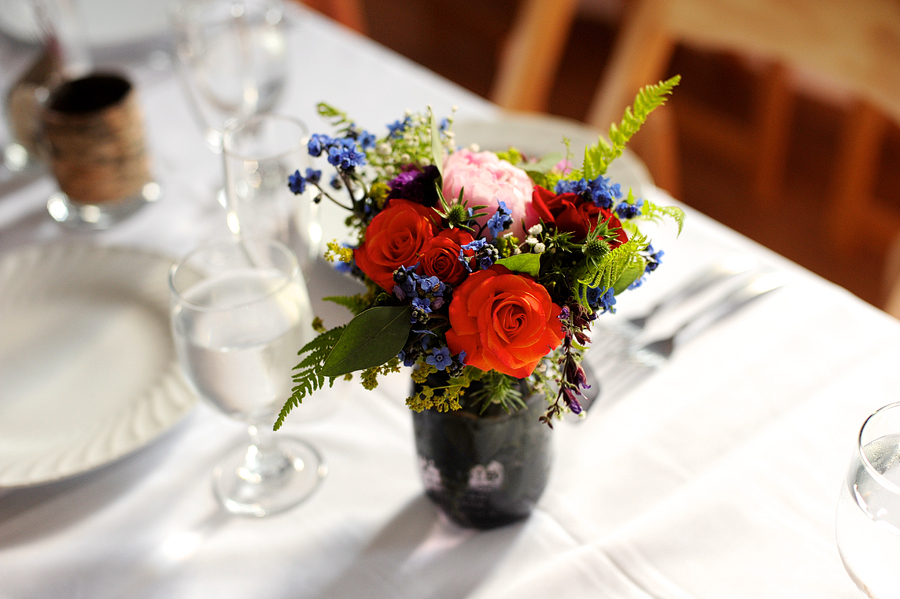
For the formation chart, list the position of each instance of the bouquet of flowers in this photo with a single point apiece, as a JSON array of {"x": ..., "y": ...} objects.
[{"x": 481, "y": 269}]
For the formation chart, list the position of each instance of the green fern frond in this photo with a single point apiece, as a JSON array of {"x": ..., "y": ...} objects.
[
  {"x": 338, "y": 117},
  {"x": 307, "y": 377},
  {"x": 611, "y": 266},
  {"x": 655, "y": 213},
  {"x": 598, "y": 157},
  {"x": 354, "y": 303}
]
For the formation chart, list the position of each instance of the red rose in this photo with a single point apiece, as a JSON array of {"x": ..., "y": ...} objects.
[
  {"x": 503, "y": 321},
  {"x": 396, "y": 237},
  {"x": 441, "y": 258},
  {"x": 571, "y": 213}
]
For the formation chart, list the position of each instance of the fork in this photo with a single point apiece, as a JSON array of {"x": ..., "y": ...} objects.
[
  {"x": 611, "y": 377},
  {"x": 615, "y": 338},
  {"x": 661, "y": 350},
  {"x": 705, "y": 280}
]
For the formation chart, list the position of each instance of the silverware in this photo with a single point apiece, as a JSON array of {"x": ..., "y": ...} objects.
[
  {"x": 705, "y": 280},
  {"x": 613, "y": 375},
  {"x": 661, "y": 349}
]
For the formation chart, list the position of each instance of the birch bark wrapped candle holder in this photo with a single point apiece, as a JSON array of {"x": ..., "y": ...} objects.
[{"x": 94, "y": 136}]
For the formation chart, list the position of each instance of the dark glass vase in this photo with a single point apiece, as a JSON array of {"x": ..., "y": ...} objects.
[{"x": 484, "y": 471}]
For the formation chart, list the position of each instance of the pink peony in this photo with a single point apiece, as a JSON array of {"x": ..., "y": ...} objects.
[{"x": 486, "y": 181}]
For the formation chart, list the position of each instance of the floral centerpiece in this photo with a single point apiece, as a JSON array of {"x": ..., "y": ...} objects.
[{"x": 483, "y": 270}]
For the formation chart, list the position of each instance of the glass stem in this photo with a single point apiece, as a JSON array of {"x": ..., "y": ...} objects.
[{"x": 264, "y": 461}]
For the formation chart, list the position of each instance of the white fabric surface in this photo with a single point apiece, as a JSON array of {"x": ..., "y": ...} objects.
[{"x": 715, "y": 478}]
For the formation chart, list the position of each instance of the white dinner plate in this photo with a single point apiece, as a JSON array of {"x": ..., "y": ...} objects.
[
  {"x": 104, "y": 22},
  {"x": 87, "y": 364},
  {"x": 538, "y": 135}
]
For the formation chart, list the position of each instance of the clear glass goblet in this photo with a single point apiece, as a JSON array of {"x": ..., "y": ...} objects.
[
  {"x": 240, "y": 312},
  {"x": 260, "y": 152},
  {"x": 231, "y": 60},
  {"x": 868, "y": 513}
]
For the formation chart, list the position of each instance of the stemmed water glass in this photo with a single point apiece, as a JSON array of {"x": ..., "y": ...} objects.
[
  {"x": 231, "y": 58},
  {"x": 240, "y": 311},
  {"x": 260, "y": 152},
  {"x": 868, "y": 513}
]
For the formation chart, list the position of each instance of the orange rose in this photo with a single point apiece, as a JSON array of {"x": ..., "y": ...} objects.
[
  {"x": 503, "y": 321},
  {"x": 396, "y": 237},
  {"x": 441, "y": 258}
]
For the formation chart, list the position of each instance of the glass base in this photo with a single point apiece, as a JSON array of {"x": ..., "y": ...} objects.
[
  {"x": 250, "y": 482},
  {"x": 78, "y": 215}
]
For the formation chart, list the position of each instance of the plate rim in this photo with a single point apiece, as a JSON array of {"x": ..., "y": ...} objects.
[{"x": 170, "y": 386}]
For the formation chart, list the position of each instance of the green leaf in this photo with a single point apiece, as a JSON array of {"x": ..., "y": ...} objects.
[
  {"x": 437, "y": 149},
  {"x": 631, "y": 274},
  {"x": 530, "y": 264},
  {"x": 371, "y": 339}
]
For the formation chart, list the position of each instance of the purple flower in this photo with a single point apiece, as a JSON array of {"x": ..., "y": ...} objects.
[{"x": 415, "y": 185}]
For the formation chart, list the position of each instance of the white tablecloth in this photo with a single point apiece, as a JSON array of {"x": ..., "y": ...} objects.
[{"x": 717, "y": 477}]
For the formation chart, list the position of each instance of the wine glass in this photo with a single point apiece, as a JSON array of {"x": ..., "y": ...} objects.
[
  {"x": 868, "y": 513},
  {"x": 240, "y": 312},
  {"x": 231, "y": 59},
  {"x": 260, "y": 152}
]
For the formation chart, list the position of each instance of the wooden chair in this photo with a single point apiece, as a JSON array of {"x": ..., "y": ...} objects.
[
  {"x": 853, "y": 44},
  {"x": 347, "y": 12}
]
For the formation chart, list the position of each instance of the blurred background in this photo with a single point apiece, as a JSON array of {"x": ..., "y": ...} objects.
[
  {"x": 785, "y": 125},
  {"x": 735, "y": 106}
]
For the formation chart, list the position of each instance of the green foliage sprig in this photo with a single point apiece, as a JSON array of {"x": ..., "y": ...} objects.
[
  {"x": 598, "y": 157},
  {"x": 308, "y": 375}
]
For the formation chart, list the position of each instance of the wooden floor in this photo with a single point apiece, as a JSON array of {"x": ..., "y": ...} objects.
[{"x": 461, "y": 40}]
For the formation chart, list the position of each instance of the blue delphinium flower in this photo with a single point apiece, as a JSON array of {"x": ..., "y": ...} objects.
[
  {"x": 501, "y": 220},
  {"x": 313, "y": 176},
  {"x": 421, "y": 308},
  {"x": 296, "y": 183},
  {"x": 485, "y": 254},
  {"x": 408, "y": 360},
  {"x": 625, "y": 210},
  {"x": 397, "y": 128},
  {"x": 603, "y": 193},
  {"x": 654, "y": 258},
  {"x": 346, "y": 155},
  {"x": 405, "y": 280},
  {"x": 577, "y": 187},
  {"x": 439, "y": 358},
  {"x": 427, "y": 284},
  {"x": 318, "y": 143},
  {"x": 601, "y": 300},
  {"x": 366, "y": 140},
  {"x": 475, "y": 245}
]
